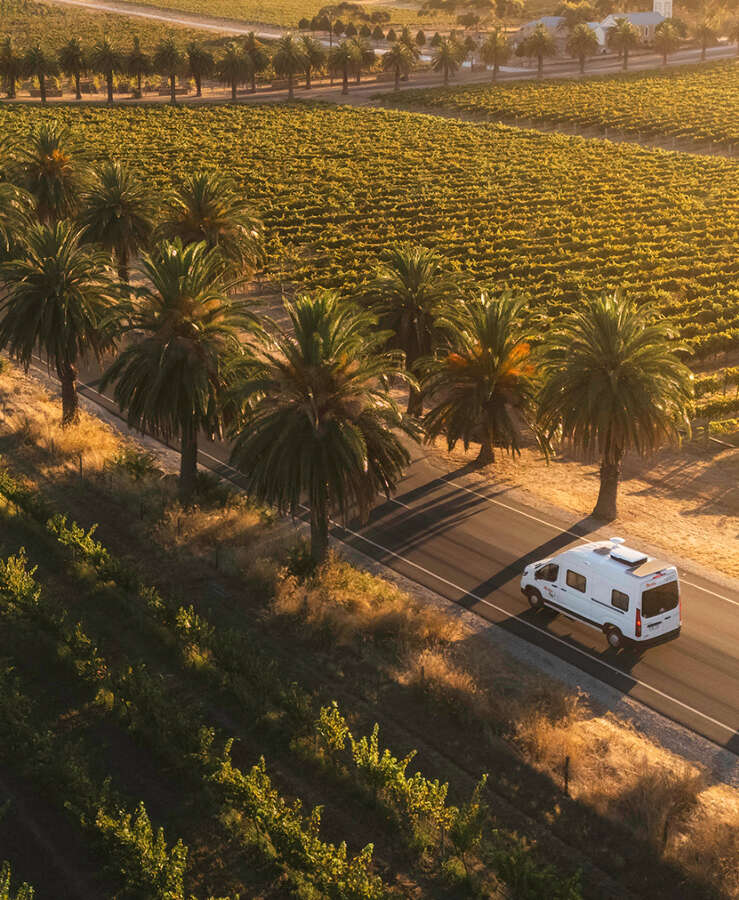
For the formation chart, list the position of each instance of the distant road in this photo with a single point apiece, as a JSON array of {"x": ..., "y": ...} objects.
[{"x": 559, "y": 68}]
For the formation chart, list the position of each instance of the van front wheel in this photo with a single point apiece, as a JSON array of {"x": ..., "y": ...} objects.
[
  {"x": 535, "y": 598},
  {"x": 615, "y": 638}
]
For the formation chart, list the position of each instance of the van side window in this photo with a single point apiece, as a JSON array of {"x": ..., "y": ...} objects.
[
  {"x": 576, "y": 581},
  {"x": 620, "y": 600},
  {"x": 548, "y": 572}
]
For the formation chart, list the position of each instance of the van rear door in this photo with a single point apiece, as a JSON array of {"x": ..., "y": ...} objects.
[{"x": 660, "y": 605}]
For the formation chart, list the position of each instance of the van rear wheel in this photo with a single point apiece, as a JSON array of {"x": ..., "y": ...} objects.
[
  {"x": 535, "y": 599},
  {"x": 614, "y": 637}
]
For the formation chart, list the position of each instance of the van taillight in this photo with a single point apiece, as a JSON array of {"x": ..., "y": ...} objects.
[{"x": 637, "y": 629}]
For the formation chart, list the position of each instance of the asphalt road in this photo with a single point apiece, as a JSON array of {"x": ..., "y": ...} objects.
[{"x": 471, "y": 545}]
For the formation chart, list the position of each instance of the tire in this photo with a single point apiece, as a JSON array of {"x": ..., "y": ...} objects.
[
  {"x": 615, "y": 638},
  {"x": 535, "y": 599}
]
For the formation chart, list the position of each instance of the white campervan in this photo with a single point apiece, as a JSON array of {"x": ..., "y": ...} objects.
[{"x": 624, "y": 593}]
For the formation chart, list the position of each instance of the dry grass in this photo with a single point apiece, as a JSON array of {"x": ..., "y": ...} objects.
[
  {"x": 34, "y": 417},
  {"x": 354, "y": 607}
]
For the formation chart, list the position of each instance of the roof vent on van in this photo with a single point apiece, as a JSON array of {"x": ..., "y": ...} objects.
[
  {"x": 627, "y": 555},
  {"x": 617, "y": 540}
]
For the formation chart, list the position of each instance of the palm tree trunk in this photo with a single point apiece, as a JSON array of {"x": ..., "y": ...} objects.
[
  {"x": 198, "y": 86},
  {"x": 397, "y": 78},
  {"x": 319, "y": 529},
  {"x": 188, "y": 463},
  {"x": 540, "y": 68},
  {"x": 139, "y": 90},
  {"x": 626, "y": 59},
  {"x": 11, "y": 87},
  {"x": 446, "y": 75},
  {"x": 664, "y": 58},
  {"x": 487, "y": 451},
  {"x": 606, "y": 505},
  {"x": 290, "y": 92},
  {"x": 42, "y": 88},
  {"x": 358, "y": 79},
  {"x": 345, "y": 81},
  {"x": 109, "y": 80},
  {"x": 254, "y": 81},
  {"x": 233, "y": 91},
  {"x": 496, "y": 67},
  {"x": 703, "y": 51},
  {"x": 582, "y": 65},
  {"x": 70, "y": 401},
  {"x": 77, "y": 91},
  {"x": 172, "y": 89},
  {"x": 415, "y": 402},
  {"x": 123, "y": 266},
  {"x": 307, "y": 79}
]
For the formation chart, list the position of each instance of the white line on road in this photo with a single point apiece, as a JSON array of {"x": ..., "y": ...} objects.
[
  {"x": 560, "y": 530},
  {"x": 543, "y": 631}
]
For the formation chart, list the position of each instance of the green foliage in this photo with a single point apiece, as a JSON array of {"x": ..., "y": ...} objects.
[
  {"x": 514, "y": 861},
  {"x": 690, "y": 102},
  {"x": 24, "y": 892},
  {"x": 466, "y": 828},
  {"x": 152, "y": 869}
]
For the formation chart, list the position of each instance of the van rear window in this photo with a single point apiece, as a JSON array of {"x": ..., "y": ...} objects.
[{"x": 660, "y": 599}]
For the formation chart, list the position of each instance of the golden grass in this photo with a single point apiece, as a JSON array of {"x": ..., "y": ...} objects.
[
  {"x": 28, "y": 412},
  {"x": 354, "y": 606}
]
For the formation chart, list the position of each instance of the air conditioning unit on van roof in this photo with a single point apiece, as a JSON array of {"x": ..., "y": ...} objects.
[{"x": 627, "y": 555}]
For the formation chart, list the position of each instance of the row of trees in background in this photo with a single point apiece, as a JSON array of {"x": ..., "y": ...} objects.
[{"x": 309, "y": 405}]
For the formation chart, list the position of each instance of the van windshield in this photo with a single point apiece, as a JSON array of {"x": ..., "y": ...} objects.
[{"x": 659, "y": 599}]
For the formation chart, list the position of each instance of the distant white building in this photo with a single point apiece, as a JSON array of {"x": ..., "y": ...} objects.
[{"x": 644, "y": 22}]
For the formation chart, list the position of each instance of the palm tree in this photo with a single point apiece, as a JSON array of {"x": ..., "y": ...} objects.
[
  {"x": 208, "y": 207},
  {"x": 169, "y": 61},
  {"x": 318, "y": 424},
  {"x": 485, "y": 379},
  {"x": 200, "y": 64},
  {"x": 47, "y": 167},
  {"x": 289, "y": 60},
  {"x": 258, "y": 57},
  {"x": 409, "y": 295},
  {"x": 58, "y": 294},
  {"x": 705, "y": 31},
  {"x": 16, "y": 213},
  {"x": 106, "y": 60},
  {"x": 233, "y": 67},
  {"x": 666, "y": 39},
  {"x": 447, "y": 58},
  {"x": 613, "y": 383},
  {"x": 365, "y": 56},
  {"x": 171, "y": 377},
  {"x": 496, "y": 50},
  {"x": 623, "y": 37},
  {"x": 137, "y": 64},
  {"x": 315, "y": 57},
  {"x": 582, "y": 43},
  {"x": 538, "y": 45},
  {"x": 11, "y": 67},
  {"x": 73, "y": 63},
  {"x": 38, "y": 64},
  {"x": 343, "y": 58},
  {"x": 116, "y": 213},
  {"x": 732, "y": 34},
  {"x": 399, "y": 60}
]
